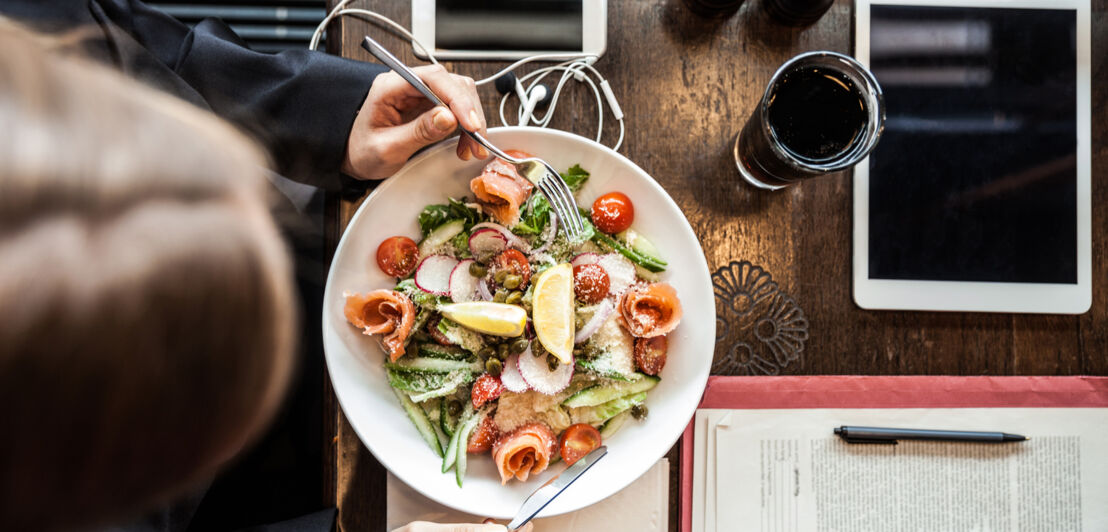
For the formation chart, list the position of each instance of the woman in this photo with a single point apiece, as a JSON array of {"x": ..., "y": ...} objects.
[{"x": 147, "y": 314}]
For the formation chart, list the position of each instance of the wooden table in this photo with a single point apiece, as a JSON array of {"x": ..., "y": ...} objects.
[{"x": 688, "y": 84}]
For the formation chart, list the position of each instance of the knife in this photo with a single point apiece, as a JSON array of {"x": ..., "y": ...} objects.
[{"x": 554, "y": 487}]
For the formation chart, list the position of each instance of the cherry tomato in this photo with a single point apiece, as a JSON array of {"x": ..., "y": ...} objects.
[
  {"x": 613, "y": 212},
  {"x": 436, "y": 334},
  {"x": 398, "y": 256},
  {"x": 650, "y": 354},
  {"x": 590, "y": 283},
  {"x": 515, "y": 263},
  {"x": 483, "y": 436},
  {"x": 486, "y": 388},
  {"x": 577, "y": 441}
]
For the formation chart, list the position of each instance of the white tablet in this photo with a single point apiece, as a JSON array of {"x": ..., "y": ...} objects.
[
  {"x": 977, "y": 197},
  {"x": 510, "y": 29}
]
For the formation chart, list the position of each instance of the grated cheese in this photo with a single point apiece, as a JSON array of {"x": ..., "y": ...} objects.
[
  {"x": 616, "y": 348},
  {"x": 621, "y": 272},
  {"x": 516, "y": 409}
]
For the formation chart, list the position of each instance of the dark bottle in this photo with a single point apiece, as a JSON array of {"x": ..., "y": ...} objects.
[
  {"x": 797, "y": 12},
  {"x": 714, "y": 8}
]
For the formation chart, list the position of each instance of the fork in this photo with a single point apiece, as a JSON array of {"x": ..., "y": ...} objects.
[{"x": 533, "y": 169}]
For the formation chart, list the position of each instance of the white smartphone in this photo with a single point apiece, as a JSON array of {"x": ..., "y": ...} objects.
[{"x": 510, "y": 29}]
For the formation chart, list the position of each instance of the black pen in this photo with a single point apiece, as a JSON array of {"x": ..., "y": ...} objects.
[{"x": 887, "y": 435}]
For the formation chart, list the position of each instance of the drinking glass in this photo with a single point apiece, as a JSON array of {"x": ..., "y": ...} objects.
[{"x": 821, "y": 112}]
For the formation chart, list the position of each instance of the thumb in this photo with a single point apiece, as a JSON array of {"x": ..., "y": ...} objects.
[{"x": 428, "y": 128}]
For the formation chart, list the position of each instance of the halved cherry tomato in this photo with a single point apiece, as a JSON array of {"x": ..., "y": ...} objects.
[
  {"x": 483, "y": 436},
  {"x": 486, "y": 388},
  {"x": 436, "y": 334},
  {"x": 650, "y": 354},
  {"x": 613, "y": 212},
  {"x": 577, "y": 441},
  {"x": 516, "y": 264},
  {"x": 590, "y": 283},
  {"x": 398, "y": 256}
]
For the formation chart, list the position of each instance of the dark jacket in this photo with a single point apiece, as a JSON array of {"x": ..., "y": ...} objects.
[{"x": 299, "y": 104}]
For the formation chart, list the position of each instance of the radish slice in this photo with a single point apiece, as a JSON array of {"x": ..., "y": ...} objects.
[
  {"x": 621, "y": 272},
  {"x": 585, "y": 258},
  {"x": 463, "y": 286},
  {"x": 485, "y": 243},
  {"x": 433, "y": 274},
  {"x": 539, "y": 377},
  {"x": 483, "y": 290},
  {"x": 599, "y": 316},
  {"x": 510, "y": 377},
  {"x": 513, "y": 240}
]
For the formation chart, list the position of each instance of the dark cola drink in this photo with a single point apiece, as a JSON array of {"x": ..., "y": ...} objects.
[{"x": 821, "y": 113}]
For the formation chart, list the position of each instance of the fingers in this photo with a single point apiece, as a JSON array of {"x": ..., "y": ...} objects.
[
  {"x": 428, "y": 128},
  {"x": 460, "y": 94}
]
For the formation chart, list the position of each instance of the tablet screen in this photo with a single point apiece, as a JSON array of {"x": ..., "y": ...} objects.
[
  {"x": 975, "y": 176},
  {"x": 554, "y": 25}
]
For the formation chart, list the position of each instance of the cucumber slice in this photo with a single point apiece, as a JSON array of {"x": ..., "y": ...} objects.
[
  {"x": 454, "y": 380},
  {"x": 433, "y": 409},
  {"x": 602, "y": 393},
  {"x": 445, "y": 352},
  {"x": 641, "y": 245},
  {"x": 463, "y": 443},
  {"x": 419, "y": 419},
  {"x": 451, "y": 455},
  {"x": 650, "y": 263},
  {"x": 417, "y": 381},
  {"x": 613, "y": 425},
  {"x": 434, "y": 365},
  {"x": 596, "y": 367},
  {"x": 440, "y": 235},
  {"x": 447, "y": 421},
  {"x": 612, "y": 408}
]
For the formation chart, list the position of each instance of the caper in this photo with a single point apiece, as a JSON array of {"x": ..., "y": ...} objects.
[
  {"x": 420, "y": 337},
  {"x": 552, "y": 362},
  {"x": 500, "y": 276},
  {"x": 578, "y": 352},
  {"x": 520, "y": 345},
  {"x": 502, "y": 351},
  {"x": 537, "y": 349},
  {"x": 514, "y": 298},
  {"x": 493, "y": 366},
  {"x": 500, "y": 296},
  {"x": 477, "y": 270},
  {"x": 512, "y": 282},
  {"x": 486, "y": 352},
  {"x": 580, "y": 322},
  {"x": 454, "y": 407},
  {"x": 638, "y": 412}
]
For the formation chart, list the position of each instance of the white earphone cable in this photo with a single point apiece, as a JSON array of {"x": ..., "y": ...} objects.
[{"x": 573, "y": 65}]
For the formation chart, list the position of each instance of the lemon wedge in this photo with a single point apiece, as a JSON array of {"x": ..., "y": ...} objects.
[
  {"x": 552, "y": 311},
  {"x": 498, "y": 319}
]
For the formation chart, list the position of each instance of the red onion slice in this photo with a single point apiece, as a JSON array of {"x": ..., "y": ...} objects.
[
  {"x": 513, "y": 240},
  {"x": 483, "y": 290},
  {"x": 603, "y": 311},
  {"x": 585, "y": 258},
  {"x": 511, "y": 377}
]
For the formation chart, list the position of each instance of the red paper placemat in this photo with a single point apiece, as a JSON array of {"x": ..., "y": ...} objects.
[{"x": 886, "y": 392}]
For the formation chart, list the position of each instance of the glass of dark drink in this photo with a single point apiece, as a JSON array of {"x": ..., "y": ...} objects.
[{"x": 822, "y": 112}]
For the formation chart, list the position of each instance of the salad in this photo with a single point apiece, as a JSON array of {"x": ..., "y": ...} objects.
[{"x": 504, "y": 337}]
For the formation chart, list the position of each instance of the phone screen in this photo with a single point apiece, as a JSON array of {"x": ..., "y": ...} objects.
[{"x": 512, "y": 25}]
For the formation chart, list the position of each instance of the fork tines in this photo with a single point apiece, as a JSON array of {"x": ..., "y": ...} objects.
[{"x": 565, "y": 207}]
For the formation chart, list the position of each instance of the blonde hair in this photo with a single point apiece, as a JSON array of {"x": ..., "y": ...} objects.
[{"x": 146, "y": 313}]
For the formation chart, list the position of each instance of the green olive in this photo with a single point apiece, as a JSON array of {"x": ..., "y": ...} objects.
[
  {"x": 493, "y": 366},
  {"x": 639, "y": 411},
  {"x": 500, "y": 296},
  {"x": 520, "y": 345},
  {"x": 500, "y": 276},
  {"x": 454, "y": 407},
  {"x": 514, "y": 298},
  {"x": 477, "y": 270},
  {"x": 552, "y": 362},
  {"x": 502, "y": 351},
  {"x": 486, "y": 352},
  {"x": 512, "y": 282}
]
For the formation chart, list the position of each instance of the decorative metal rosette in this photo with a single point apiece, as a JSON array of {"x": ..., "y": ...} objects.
[{"x": 759, "y": 329}]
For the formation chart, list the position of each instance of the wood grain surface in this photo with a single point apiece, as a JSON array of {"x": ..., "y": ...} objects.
[{"x": 687, "y": 84}]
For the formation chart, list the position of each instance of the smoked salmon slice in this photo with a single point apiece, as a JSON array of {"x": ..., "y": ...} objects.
[
  {"x": 650, "y": 310},
  {"x": 523, "y": 452},
  {"x": 500, "y": 190},
  {"x": 385, "y": 312}
]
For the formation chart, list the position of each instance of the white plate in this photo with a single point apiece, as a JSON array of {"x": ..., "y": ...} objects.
[{"x": 354, "y": 360}]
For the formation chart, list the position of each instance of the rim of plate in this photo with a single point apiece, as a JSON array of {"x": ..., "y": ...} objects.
[{"x": 700, "y": 380}]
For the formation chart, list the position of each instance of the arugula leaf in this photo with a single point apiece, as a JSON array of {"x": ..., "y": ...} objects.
[
  {"x": 575, "y": 177},
  {"x": 434, "y": 216},
  {"x": 533, "y": 216},
  {"x": 460, "y": 242}
]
